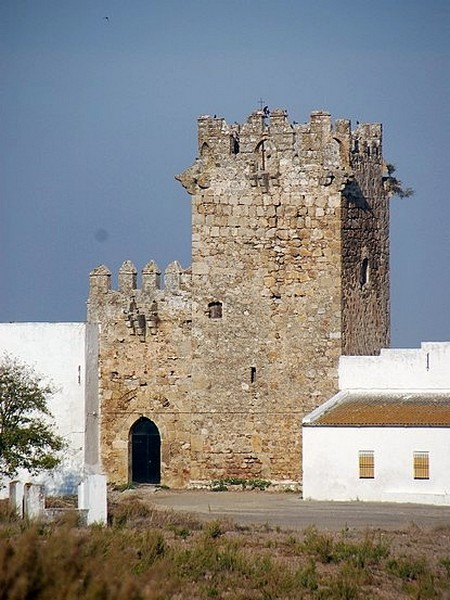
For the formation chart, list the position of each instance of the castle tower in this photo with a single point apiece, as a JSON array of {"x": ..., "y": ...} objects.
[
  {"x": 208, "y": 374},
  {"x": 289, "y": 271}
]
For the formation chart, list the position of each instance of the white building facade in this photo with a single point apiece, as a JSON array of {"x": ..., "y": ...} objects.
[
  {"x": 66, "y": 355},
  {"x": 386, "y": 435}
]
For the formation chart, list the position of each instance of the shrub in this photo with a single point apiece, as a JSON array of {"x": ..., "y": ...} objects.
[
  {"x": 370, "y": 551},
  {"x": 179, "y": 530},
  {"x": 213, "y": 529},
  {"x": 347, "y": 584},
  {"x": 445, "y": 562},
  {"x": 318, "y": 545},
  {"x": 130, "y": 512},
  {"x": 407, "y": 568},
  {"x": 258, "y": 484},
  {"x": 218, "y": 486},
  {"x": 222, "y": 485},
  {"x": 307, "y": 577}
]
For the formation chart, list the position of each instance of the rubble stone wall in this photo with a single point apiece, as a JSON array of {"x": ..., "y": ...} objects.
[{"x": 145, "y": 364}]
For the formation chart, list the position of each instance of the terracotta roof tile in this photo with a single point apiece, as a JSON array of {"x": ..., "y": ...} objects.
[{"x": 394, "y": 409}]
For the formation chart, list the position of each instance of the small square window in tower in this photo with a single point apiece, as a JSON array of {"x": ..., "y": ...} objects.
[{"x": 215, "y": 310}]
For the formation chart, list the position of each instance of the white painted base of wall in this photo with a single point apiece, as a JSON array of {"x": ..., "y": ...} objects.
[{"x": 92, "y": 495}]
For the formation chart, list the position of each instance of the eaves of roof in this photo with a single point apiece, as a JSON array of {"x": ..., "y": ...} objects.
[{"x": 387, "y": 409}]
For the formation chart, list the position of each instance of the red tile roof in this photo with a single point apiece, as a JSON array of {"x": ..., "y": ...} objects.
[{"x": 375, "y": 409}]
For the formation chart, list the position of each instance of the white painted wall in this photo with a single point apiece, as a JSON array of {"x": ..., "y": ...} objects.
[
  {"x": 330, "y": 454},
  {"x": 331, "y": 464},
  {"x": 66, "y": 355},
  {"x": 424, "y": 368}
]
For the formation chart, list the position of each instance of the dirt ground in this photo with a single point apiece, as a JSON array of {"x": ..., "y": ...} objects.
[{"x": 289, "y": 511}]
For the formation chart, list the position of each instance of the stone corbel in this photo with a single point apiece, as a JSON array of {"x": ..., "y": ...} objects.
[{"x": 193, "y": 178}]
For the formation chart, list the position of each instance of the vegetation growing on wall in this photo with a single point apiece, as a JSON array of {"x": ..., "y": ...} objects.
[{"x": 394, "y": 186}]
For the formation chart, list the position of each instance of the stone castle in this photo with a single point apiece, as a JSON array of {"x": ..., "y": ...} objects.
[{"x": 208, "y": 376}]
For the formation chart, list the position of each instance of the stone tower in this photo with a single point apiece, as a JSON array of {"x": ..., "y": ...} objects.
[{"x": 290, "y": 270}]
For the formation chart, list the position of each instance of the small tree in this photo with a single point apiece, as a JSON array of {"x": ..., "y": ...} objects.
[
  {"x": 394, "y": 186},
  {"x": 26, "y": 436}
]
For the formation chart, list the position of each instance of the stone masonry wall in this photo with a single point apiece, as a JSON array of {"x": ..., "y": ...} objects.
[
  {"x": 365, "y": 234},
  {"x": 145, "y": 364},
  {"x": 271, "y": 244},
  {"x": 289, "y": 271}
]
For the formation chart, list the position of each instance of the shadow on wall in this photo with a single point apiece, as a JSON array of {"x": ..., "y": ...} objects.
[
  {"x": 63, "y": 483},
  {"x": 355, "y": 196}
]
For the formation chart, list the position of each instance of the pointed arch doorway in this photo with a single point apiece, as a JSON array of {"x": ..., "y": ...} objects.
[{"x": 145, "y": 452}]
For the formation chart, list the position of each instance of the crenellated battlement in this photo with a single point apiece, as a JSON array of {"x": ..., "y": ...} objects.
[
  {"x": 367, "y": 140},
  {"x": 216, "y": 137},
  {"x": 176, "y": 279},
  {"x": 140, "y": 306},
  {"x": 256, "y": 148}
]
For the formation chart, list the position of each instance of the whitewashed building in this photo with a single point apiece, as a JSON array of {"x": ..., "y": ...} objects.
[
  {"x": 66, "y": 355},
  {"x": 386, "y": 435}
]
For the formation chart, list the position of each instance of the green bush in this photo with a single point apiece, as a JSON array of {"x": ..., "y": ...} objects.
[
  {"x": 222, "y": 485},
  {"x": 318, "y": 545},
  {"x": 213, "y": 529},
  {"x": 407, "y": 568},
  {"x": 370, "y": 551},
  {"x": 347, "y": 583},
  {"x": 445, "y": 562}
]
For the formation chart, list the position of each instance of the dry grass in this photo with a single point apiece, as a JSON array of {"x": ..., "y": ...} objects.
[{"x": 149, "y": 554}]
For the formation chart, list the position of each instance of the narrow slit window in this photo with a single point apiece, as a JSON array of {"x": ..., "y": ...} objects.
[
  {"x": 364, "y": 272},
  {"x": 421, "y": 465},
  {"x": 366, "y": 464},
  {"x": 261, "y": 155},
  {"x": 205, "y": 150},
  {"x": 252, "y": 374},
  {"x": 215, "y": 310},
  {"x": 234, "y": 144}
]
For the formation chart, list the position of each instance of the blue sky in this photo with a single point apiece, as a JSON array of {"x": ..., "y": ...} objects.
[{"x": 99, "y": 114}]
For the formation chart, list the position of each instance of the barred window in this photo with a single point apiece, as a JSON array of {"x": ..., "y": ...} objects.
[
  {"x": 421, "y": 465},
  {"x": 366, "y": 464}
]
